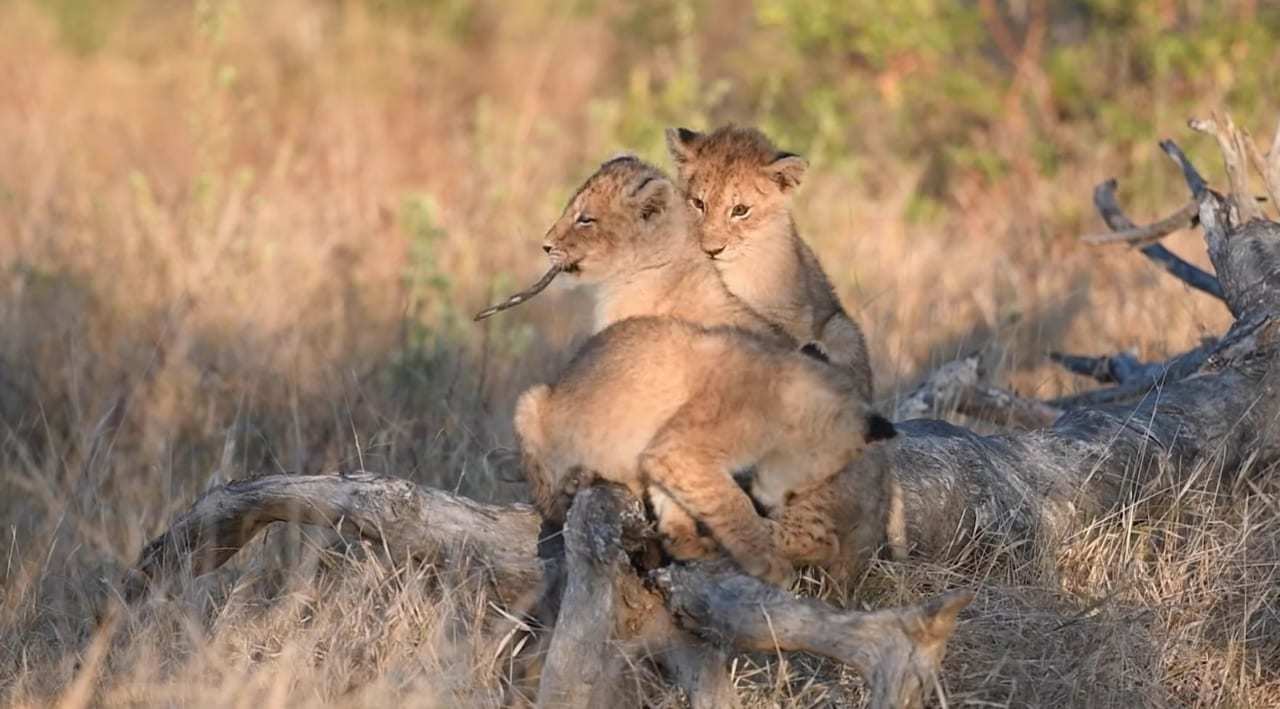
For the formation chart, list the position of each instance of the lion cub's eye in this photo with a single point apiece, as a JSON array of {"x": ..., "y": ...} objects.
[
  {"x": 697, "y": 204},
  {"x": 584, "y": 220},
  {"x": 739, "y": 210}
]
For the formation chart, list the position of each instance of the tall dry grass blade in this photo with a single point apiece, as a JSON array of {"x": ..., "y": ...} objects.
[{"x": 80, "y": 693}]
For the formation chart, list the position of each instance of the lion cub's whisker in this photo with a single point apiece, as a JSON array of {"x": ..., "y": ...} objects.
[{"x": 523, "y": 295}]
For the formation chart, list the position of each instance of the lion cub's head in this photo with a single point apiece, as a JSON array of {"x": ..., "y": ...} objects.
[
  {"x": 627, "y": 216},
  {"x": 738, "y": 184}
]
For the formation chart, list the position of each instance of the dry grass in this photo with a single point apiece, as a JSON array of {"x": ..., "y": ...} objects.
[{"x": 247, "y": 238}]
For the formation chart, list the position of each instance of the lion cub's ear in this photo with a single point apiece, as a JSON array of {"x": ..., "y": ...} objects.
[
  {"x": 787, "y": 170},
  {"x": 879, "y": 428},
  {"x": 652, "y": 196},
  {"x": 681, "y": 143}
]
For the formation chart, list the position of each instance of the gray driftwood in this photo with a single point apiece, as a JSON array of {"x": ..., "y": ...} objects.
[
  {"x": 606, "y": 614},
  {"x": 1212, "y": 408},
  {"x": 1205, "y": 412}
]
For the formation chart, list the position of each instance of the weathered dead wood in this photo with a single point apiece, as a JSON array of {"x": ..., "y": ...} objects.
[
  {"x": 606, "y": 612},
  {"x": 1135, "y": 235},
  {"x": 1108, "y": 369},
  {"x": 1234, "y": 154},
  {"x": 582, "y": 650},
  {"x": 1211, "y": 408},
  {"x": 897, "y": 652},
  {"x": 582, "y": 669},
  {"x": 958, "y": 386},
  {"x": 702, "y": 669},
  {"x": 1104, "y": 199},
  {"x": 409, "y": 520},
  {"x": 524, "y": 295},
  {"x": 1269, "y": 166},
  {"x": 1135, "y": 378}
]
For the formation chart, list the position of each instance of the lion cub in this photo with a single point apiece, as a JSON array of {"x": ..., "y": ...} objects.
[
  {"x": 671, "y": 407},
  {"x": 740, "y": 186}
]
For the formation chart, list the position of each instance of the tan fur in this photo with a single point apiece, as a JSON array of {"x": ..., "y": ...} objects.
[
  {"x": 671, "y": 407},
  {"x": 668, "y": 408},
  {"x": 640, "y": 254},
  {"x": 759, "y": 253}
]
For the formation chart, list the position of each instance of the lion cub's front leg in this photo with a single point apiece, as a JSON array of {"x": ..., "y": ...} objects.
[{"x": 679, "y": 531}]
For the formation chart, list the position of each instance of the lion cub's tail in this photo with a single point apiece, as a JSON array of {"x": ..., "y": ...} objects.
[{"x": 530, "y": 426}]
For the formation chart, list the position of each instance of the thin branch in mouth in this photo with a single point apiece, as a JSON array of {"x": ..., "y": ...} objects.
[{"x": 523, "y": 295}]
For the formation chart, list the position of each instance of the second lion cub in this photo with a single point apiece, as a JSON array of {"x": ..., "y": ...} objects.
[{"x": 741, "y": 185}]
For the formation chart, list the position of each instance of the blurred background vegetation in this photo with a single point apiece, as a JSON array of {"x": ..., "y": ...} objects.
[
  {"x": 993, "y": 88},
  {"x": 241, "y": 237}
]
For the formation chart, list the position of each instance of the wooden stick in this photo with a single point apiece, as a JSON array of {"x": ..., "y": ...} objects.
[
  {"x": 522, "y": 296},
  {"x": 1137, "y": 235},
  {"x": 1104, "y": 199}
]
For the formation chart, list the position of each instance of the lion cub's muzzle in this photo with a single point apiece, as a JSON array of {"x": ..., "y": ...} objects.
[
  {"x": 561, "y": 259},
  {"x": 713, "y": 249}
]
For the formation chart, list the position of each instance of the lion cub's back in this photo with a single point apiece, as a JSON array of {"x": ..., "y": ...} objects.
[{"x": 623, "y": 384}]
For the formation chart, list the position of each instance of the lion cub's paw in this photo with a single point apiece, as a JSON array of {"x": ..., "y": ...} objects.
[
  {"x": 689, "y": 548},
  {"x": 772, "y": 568},
  {"x": 578, "y": 480}
]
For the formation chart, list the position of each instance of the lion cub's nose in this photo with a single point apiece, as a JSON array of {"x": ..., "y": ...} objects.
[
  {"x": 714, "y": 252},
  {"x": 546, "y": 248}
]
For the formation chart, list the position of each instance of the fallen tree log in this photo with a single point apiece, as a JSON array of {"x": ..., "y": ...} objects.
[
  {"x": 1214, "y": 406},
  {"x": 411, "y": 521},
  {"x": 606, "y": 607},
  {"x": 1210, "y": 410}
]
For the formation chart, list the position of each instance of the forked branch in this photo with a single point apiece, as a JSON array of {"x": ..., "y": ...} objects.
[
  {"x": 1138, "y": 235},
  {"x": 1104, "y": 199}
]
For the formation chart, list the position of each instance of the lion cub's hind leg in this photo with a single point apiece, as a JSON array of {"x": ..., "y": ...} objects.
[
  {"x": 804, "y": 529},
  {"x": 544, "y": 485},
  {"x": 690, "y": 459}
]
